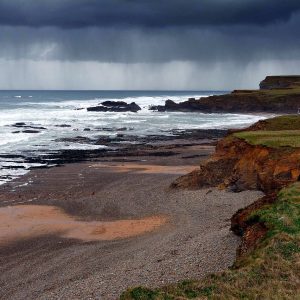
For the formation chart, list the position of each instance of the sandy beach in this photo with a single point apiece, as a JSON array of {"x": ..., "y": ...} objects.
[{"x": 94, "y": 229}]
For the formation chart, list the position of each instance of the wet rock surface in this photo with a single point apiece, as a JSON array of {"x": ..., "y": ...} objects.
[
  {"x": 28, "y": 126},
  {"x": 114, "y": 146},
  {"x": 115, "y": 106}
]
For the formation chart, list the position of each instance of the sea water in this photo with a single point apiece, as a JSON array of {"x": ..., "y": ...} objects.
[{"x": 55, "y": 115}]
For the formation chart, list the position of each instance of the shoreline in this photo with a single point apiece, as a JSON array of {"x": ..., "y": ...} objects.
[
  {"x": 123, "y": 144},
  {"x": 194, "y": 242}
]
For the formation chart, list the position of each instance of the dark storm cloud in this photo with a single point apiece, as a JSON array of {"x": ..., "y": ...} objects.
[
  {"x": 144, "y": 13},
  {"x": 150, "y": 31},
  {"x": 241, "y": 44},
  {"x": 146, "y": 43}
]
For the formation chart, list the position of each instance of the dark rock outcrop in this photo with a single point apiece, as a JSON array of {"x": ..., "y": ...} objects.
[
  {"x": 170, "y": 105},
  {"x": 63, "y": 125},
  {"x": 77, "y": 139},
  {"x": 30, "y": 131},
  {"x": 115, "y": 106},
  {"x": 24, "y": 125}
]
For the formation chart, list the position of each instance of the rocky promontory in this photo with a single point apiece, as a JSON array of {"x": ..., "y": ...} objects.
[{"x": 278, "y": 94}]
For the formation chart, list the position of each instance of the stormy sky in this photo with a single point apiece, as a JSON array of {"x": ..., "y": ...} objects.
[{"x": 147, "y": 44}]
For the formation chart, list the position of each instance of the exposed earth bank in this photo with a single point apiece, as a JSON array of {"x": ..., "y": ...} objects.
[{"x": 238, "y": 165}]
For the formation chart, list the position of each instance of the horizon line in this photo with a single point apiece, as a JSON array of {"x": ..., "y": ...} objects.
[{"x": 116, "y": 90}]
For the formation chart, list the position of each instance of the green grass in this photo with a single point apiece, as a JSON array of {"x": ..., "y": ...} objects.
[
  {"x": 288, "y": 122},
  {"x": 273, "y": 139},
  {"x": 273, "y": 94},
  {"x": 293, "y": 90},
  {"x": 271, "y": 271}
]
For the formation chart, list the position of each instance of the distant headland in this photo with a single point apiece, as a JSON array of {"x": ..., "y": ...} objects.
[{"x": 277, "y": 94}]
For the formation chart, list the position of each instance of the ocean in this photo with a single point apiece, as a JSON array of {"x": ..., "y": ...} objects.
[{"x": 35, "y": 123}]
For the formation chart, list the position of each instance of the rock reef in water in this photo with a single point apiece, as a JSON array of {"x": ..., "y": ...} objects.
[
  {"x": 115, "y": 106},
  {"x": 278, "y": 94}
]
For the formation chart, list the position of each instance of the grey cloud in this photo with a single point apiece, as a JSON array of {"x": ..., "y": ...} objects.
[
  {"x": 143, "y": 43},
  {"x": 241, "y": 44},
  {"x": 144, "y": 13}
]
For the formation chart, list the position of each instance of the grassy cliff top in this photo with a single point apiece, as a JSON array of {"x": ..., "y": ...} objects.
[
  {"x": 288, "y": 122},
  {"x": 271, "y": 95},
  {"x": 272, "y": 139},
  {"x": 282, "y": 131}
]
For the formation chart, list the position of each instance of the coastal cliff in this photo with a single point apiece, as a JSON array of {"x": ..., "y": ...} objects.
[
  {"x": 265, "y": 156},
  {"x": 239, "y": 165},
  {"x": 278, "y": 94}
]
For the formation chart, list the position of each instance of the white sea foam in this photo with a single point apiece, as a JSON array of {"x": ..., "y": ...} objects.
[{"x": 52, "y": 111}]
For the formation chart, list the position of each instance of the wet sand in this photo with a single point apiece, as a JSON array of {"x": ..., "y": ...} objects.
[
  {"x": 184, "y": 234},
  {"x": 22, "y": 222}
]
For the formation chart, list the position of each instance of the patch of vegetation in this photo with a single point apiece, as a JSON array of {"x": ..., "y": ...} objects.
[
  {"x": 272, "y": 139},
  {"x": 272, "y": 94},
  {"x": 271, "y": 271},
  {"x": 288, "y": 122},
  {"x": 292, "y": 90}
]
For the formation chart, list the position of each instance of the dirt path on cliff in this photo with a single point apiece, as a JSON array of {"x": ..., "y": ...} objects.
[{"x": 195, "y": 241}]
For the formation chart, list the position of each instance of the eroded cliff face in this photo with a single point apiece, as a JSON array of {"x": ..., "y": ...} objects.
[{"x": 237, "y": 165}]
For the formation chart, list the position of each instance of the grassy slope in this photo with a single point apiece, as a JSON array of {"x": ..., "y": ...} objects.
[
  {"x": 272, "y": 271},
  {"x": 289, "y": 122},
  {"x": 273, "y": 139},
  {"x": 283, "y": 131},
  {"x": 293, "y": 90},
  {"x": 272, "y": 95}
]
